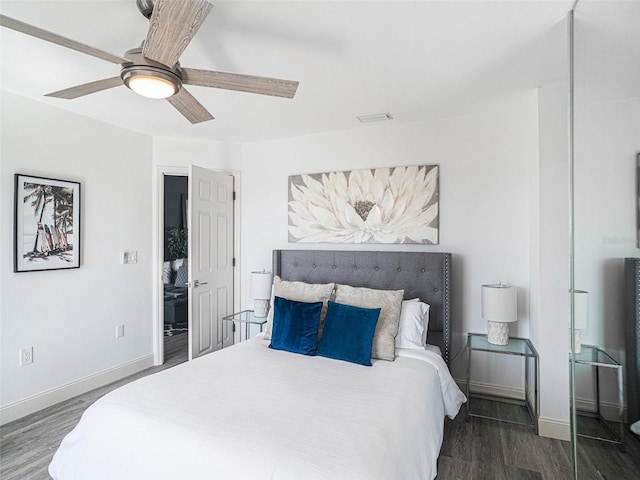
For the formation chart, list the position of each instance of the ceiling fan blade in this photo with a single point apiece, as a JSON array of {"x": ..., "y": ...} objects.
[
  {"x": 188, "y": 106},
  {"x": 19, "y": 26},
  {"x": 241, "y": 83},
  {"x": 172, "y": 25},
  {"x": 86, "y": 88}
]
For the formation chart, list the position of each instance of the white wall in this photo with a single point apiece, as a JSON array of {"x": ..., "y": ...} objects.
[
  {"x": 485, "y": 164},
  {"x": 550, "y": 260},
  {"x": 184, "y": 152},
  {"x": 607, "y": 142},
  {"x": 69, "y": 316}
]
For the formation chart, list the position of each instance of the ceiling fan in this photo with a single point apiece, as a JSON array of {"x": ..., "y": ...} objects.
[{"x": 153, "y": 70}]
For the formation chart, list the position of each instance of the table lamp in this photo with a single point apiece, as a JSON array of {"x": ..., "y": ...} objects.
[
  {"x": 580, "y": 317},
  {"x": 499, "y": 308},
  {"x": 261, "y": 292}
]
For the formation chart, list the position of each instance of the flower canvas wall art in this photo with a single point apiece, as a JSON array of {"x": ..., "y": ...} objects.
[{"x": 381, "y": 205}]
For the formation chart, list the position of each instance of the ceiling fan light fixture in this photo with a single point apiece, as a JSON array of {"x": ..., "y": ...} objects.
[
  {"x": 151, "y": 82},
  {"x": 151, "y": 87}
]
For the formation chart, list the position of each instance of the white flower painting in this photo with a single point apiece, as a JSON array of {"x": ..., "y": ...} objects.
[{"x": 382, "y": 205}]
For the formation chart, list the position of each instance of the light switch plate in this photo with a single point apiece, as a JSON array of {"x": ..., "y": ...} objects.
[{"x": 129, "y": 256}]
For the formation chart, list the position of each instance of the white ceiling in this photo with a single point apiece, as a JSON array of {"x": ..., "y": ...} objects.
[{"x": 415, "y": 59}]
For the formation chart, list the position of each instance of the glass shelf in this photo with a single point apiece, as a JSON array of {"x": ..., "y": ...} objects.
[
  {"x": 246, "y": 316},
  {"x": 477, "y": 342},
  {"x": 597, "y": 357},
  {"x": 592, "y": 355},
  {"x": 516, "y": 346}
]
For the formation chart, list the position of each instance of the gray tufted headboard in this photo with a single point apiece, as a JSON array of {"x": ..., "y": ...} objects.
[{"x": 424, "y": 275}]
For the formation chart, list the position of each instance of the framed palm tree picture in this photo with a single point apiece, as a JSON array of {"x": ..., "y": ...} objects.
[
  {"x": 380, "y": 205},
  {"x": 47, "y": 224}
]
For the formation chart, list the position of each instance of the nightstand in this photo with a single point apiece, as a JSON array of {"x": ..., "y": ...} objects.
[
  {"x": 517, "y": 346},
  {"x": 598, "y": 358},
  {"x": 248, "y": 318}
]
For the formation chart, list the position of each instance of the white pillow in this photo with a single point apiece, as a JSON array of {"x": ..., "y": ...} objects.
[
  {"x": 413, "y": 326},
  {"x": 178, "y": 262},
  {"x": 390, "y": 303},
  {"x": 425, "y": 319},
  {"x": 166, "y": 272},
  {"x": 434, "y": 349},
  {"x": 299, "y": 292}
]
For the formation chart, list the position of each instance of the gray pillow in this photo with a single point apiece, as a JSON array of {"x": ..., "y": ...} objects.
[
  {"x": 299, "y": 292},
  {"x": 182, "y": 277},
  {"x": 390, "y": 303}
]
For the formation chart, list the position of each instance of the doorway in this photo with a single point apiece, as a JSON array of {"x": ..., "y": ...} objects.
[
  {"x": 172, "y": 345},
  {"x": 175, "y": 267}
]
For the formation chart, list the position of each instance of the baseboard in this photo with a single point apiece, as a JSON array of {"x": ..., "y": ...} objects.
[
  {"x": 554, "y": 428},
  {"x": 29, "y": 405},
  {"x": 492, "y": 390},
  {"x": 607, "y": 409}
]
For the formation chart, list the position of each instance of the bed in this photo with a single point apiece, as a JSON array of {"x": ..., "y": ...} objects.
[{"x": 250, "y": 411}]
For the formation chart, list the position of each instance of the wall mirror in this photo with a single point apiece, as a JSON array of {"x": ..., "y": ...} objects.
[{"x": 606, "y": 143}]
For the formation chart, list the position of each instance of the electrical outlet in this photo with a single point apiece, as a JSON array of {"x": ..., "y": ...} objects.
[
  {"x": 119, "y": 331},
  {"x": 26, "y": 356}
]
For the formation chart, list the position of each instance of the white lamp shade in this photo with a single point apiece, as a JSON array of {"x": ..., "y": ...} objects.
[
  {"x": 499, "y": 303},
  {"x": 261, "y": 285},
  {"x": 580, "y": 309}
]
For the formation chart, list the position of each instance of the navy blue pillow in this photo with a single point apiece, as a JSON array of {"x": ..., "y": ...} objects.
[
  {"x": 295, "y": 326},
  {"x": 348, "y": 333}
]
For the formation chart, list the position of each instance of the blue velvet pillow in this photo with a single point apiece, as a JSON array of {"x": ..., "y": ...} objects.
[
  {"x": 348, "y": 333},
  {"x": 295, "y": 326}
]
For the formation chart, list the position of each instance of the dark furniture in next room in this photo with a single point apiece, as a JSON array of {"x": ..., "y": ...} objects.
[
  {"x": 632, "y": 336},
  {"x": 176, "y": 298}
]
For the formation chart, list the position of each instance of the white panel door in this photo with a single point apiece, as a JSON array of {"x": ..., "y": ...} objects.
[{"x": 210, "y": 260}]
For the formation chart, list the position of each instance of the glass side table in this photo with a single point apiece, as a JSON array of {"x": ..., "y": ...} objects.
[
  {"x": 517, "y": 346},
  {"x": 246, "y": 317},
  {"x": 598, "y": 358}
]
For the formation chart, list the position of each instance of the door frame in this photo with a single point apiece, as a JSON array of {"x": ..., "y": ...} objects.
[{"x": 159, "y": 172}]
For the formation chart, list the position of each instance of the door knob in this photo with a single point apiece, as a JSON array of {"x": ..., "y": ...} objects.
[{"x": 197, "y": 283}]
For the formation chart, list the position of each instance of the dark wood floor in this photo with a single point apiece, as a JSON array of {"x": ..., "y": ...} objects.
[
  {"x": 28, "y": 444},
  {"x": 488, "y": 450},
  {"x": 476, "y": 450},
  {"x": 484, "y": 449},
  {"x": 608, "y": 459}
]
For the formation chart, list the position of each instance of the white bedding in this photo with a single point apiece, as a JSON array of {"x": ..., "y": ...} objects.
[{"x": 250, "y": 412}]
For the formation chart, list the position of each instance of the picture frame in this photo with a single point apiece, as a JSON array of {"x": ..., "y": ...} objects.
[
  {"x": 377, "y": 205},
  {"x": 46, "y": 224}
]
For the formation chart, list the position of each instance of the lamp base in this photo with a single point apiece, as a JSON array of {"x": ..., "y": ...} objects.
[
  {"x": 577, "y": 340},
  {"x": 498, "y": 333},
  {"x": 260, "y": 308}
]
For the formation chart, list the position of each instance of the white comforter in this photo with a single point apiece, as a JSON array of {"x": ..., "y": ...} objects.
[{"x": 250, "y": 412}]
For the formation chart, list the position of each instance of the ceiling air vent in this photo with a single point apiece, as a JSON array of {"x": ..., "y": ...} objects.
[{"x": 376, "y": 117}]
